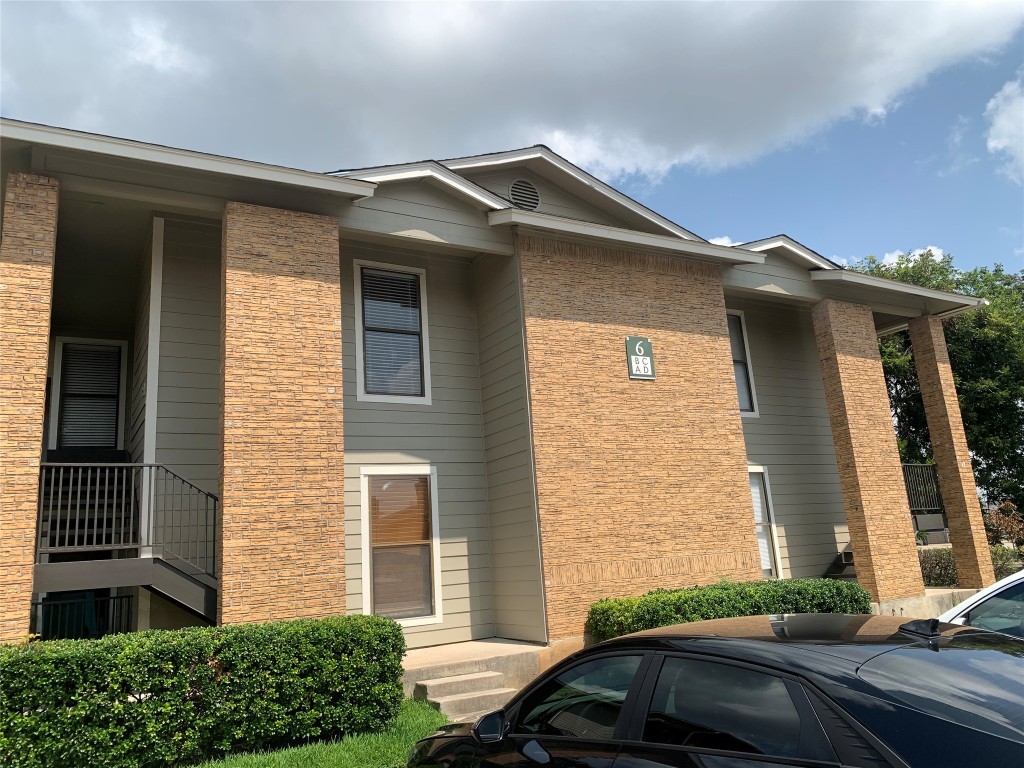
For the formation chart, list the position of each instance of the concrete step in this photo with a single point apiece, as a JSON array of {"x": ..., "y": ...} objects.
[
  {"x": 518, "y": 661},
  {"x": 456, "y": 684},
  {"x": 461, "y": 706}
]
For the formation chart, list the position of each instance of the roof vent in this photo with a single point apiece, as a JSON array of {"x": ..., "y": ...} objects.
[{"x": 524, "y": 195}]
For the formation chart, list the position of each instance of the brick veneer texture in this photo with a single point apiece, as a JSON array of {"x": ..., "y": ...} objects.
[
  {"x": 952, "y": 459},
  {"x": 640, "y": 484},
  {"x": 282, "y": 545},
  {"x": 870, "y": 475},
  {"x": 26, "y": 284}
]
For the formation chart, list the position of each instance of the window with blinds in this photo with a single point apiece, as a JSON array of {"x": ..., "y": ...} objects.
[
  {"x": 401, "y": 559},
  {"x": 741, "y": 364},
  {"x": 392, "y": 330},
  {"x": 763, "y": 526},
  {"x": 90, "y": 393}
]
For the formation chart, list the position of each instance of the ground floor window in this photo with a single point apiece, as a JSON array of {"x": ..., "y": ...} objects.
[
  {"x": 401, "y": 558},
  {"x": 764, "y": 523}
]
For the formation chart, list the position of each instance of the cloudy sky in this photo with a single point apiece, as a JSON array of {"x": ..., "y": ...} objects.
[{"x": 857, "y": 128}]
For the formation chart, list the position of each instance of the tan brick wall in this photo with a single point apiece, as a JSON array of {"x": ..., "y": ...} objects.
[
  {"x": 877, "y": 510},
  {"x": 26, "y": 285},
  {"x": 283, "y": 546},
  {"x": 641, "y": 484},
  {"x": 949, "y": 447}
]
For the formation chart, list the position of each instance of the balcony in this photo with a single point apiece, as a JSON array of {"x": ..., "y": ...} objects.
[{"x": 119, "y": 525}]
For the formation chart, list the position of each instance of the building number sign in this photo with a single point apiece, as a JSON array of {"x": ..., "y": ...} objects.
[{"x": 640, "y": 357}]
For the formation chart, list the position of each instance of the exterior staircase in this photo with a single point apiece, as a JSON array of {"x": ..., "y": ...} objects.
[
  {"x": 114, "y": 525},
  {"x": 466, "y": 680},
  {"x": 465, "y": 697}
]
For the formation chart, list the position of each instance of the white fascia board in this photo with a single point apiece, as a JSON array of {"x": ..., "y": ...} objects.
[
  {"x": 540, "y": 153},
  {"x": 882, "y": 283},
  {"x": 180, "y": 158},
  {"x": 435, "y": 171},
  {"x": 790, "y": 245},
  {"x": 622, "y": 237}
]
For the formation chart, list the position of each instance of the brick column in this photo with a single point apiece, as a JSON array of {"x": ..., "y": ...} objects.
[
  {"x": 870, "y": 475},
  {"x": 640, "y": 484},
  {"x": 283, "y": 524},
  {"x": 952, "y": 459},
  {"x": 26, "y": 286}
]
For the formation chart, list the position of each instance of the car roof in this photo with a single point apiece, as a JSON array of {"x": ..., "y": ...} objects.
[{"x": 785, "y": 640}]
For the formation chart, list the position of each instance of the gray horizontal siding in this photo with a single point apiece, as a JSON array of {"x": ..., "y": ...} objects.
[
  {"x": 188, "y": 437},
  {"x": 448, "y": 434},
  {"x": 792, "y": 437},
  {"x": 423, "y": 212},
  {"x": 553, "y": 199},
  {"x": 140, "y": 361}
]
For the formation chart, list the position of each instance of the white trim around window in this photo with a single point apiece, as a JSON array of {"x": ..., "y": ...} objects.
[
  {"x": 773, "y": 539},
  {"x": 750, "y": 368},
  {"x": 419, "y": 470},
  {"x": 361, "y": 393},
  {"x": 58, "y": 360}
]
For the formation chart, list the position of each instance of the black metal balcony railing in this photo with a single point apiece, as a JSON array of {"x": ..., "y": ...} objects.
[
  {"x": 922, "y": 481},
  {"x": 81, "y": 617},
  {"x": 101, "y": 507}
]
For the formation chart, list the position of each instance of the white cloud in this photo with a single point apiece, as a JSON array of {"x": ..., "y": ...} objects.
[
  {"x": 626, "y": 89},
  {"x": 933, "y": 251},
  {"x": 724, "y": 240},
  {"x": 958, "y": 156},
  {"x": 150, "y": 46},
  {"x": 1005, "y": 114}
]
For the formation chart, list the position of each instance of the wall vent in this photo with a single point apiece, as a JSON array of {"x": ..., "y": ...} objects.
[{"x": 524, "y": 195}]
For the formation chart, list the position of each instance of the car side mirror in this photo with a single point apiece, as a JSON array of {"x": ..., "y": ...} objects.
[{"x": 490, "y": 728}]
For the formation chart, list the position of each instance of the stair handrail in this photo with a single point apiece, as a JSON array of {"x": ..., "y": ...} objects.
[{"x": 185, "y": 543}]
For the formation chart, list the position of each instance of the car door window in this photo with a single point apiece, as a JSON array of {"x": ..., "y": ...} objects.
[
  {"x": 707, "y": 705},
  {"x": 585, "y": 701},
  {"x": 1002, "y": 612}
]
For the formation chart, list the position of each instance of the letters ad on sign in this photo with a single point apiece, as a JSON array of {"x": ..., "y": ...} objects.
[{"x": 639, "y": 357}]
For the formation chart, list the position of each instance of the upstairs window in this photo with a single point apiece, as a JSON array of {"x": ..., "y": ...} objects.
[
  {"x": 741, "y": 365},
  {"x": 393, "y": 363}
]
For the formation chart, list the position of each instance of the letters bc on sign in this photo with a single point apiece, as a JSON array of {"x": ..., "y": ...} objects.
[{"x": 639, "y": 357}]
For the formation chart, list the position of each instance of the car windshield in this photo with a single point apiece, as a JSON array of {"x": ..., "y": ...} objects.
[{"x": 973, "y": 680}]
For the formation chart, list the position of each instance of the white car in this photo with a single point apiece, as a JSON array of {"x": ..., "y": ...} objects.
[{"x": 999, "y": 608}]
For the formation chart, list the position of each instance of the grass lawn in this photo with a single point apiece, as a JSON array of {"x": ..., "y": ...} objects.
[{"x": 387, "y": 749}]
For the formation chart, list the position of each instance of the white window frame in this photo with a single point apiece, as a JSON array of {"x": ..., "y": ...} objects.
[
  {"x": 361, "y": 393},
  {"x": 750, "y": 367},
  {"x": 757, "y": 469},
  {"x": 58, "y": 361},
  {"x": 420, "y": 470}
]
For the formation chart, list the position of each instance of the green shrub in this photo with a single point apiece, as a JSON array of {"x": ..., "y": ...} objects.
[
  {"x": 1006, "y": 561},
  {"x": 164, "y": 698},
  {"x": 938, "y": 567},
  {"x": 619, "y": 616}
]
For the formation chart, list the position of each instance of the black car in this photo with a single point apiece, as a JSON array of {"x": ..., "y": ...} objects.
[{"x": 761, "y": 692}]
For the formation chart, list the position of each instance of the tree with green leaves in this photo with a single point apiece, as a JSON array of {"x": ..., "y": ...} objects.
[{"x": 986, "y": 352}]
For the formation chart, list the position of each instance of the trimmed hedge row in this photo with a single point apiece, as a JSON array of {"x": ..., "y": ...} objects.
[
  {"x": 176, "y": 697},
  {"x": 661, "y": 608},
  {"x": 938, "y": 566}
]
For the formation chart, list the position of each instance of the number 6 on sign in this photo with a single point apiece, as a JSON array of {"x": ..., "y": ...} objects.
[{"x": 639, "y": 357}]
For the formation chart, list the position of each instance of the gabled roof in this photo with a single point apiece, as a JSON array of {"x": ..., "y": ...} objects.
[
  {"x": 433, "y": 171},
  {"x": 552, "y": 166},
  {"x": 200, "y": 162},
  {"x": 789, "y": 244}
]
